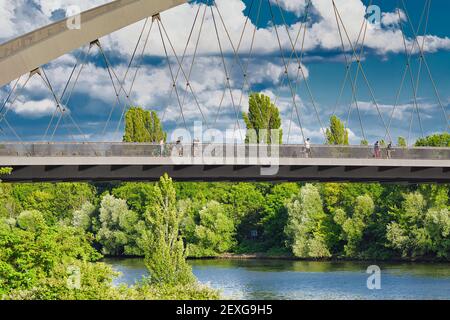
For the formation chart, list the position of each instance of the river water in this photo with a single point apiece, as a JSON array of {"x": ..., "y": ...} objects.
[{"x": 282, "y": 279}]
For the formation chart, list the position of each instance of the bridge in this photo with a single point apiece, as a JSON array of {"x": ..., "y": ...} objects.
[
  {"x": 216, "y": 162},
  {"x": 29, "y": 54}
]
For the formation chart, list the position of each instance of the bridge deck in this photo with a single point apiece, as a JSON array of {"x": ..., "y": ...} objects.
[{"x": 146, "y": 162}]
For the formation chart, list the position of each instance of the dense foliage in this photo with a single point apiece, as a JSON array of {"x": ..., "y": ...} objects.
[
  {"x": 164, "y": 249},
  {"x": 436, "y": 140},
  {"x": 143, "y": 126},
  {"x": 263, "y": 115},
  {"x": 362, "y": 221},
  {"x": 43, "y": 256},
  {"x": 337, "y": 134}
]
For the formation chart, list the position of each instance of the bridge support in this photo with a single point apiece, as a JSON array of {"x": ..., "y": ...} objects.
[{"x": 305, "y": 173}]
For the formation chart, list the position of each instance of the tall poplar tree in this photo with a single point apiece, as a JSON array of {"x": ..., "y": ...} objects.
[
  {"x": 262, "y": 114},
  {"x": 165, "y": 254},
  {"x": 336, "y": 133},
  {"x": 143, "y": 126}
]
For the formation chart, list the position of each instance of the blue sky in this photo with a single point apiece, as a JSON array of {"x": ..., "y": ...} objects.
[{"x": 323, "y": 62}]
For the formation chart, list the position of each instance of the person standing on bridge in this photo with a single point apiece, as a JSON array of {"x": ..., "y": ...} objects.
[
  {"x": 308, "y": 148},
  {"x": 376, "y": 150},
  {"x": 389, "y": 150},
  {"x": 161, "y": 145}
]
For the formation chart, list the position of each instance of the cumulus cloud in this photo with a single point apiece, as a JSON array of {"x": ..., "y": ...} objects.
[
  {"x": 393, "y": 18},
  {"x": 7, "y": 16},
  {"x": 322, "y": 32},
  {"x": 33, "y": 109},
  {"x": 296, "y": 6}
]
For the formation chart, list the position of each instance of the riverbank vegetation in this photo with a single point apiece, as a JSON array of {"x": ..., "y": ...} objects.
[
  {"x": 340, "y": 220},
  {"x": 46, "y": 256}
]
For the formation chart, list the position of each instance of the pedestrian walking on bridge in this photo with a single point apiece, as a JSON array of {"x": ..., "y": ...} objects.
[
  {"x": 376, "y": 150},
  {"x": 389, "y": 150},
  {"x": 308, "y": 148}
]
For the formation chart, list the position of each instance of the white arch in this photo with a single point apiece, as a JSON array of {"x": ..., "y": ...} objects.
[{"x": 32, "y": 50}]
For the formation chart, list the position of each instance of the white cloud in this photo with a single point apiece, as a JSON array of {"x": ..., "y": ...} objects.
[
  {"x": 33, "y": 109},
  {"x": 18, "y": 18},
  {"x": 393, "y": 18},
  {"x": 296, "y": 6},
  {"x": 6, "y": 21}
]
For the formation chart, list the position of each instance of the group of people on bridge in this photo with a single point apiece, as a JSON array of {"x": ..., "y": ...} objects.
[
  {"x": 179, "y": 148},
  {"x": 377, "y": 150}
]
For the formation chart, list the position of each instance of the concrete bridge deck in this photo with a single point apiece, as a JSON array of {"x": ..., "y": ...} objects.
[{"x": 208, "y": 162}]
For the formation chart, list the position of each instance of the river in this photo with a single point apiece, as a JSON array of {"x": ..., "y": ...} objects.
[{"x": 283, "y": 279}]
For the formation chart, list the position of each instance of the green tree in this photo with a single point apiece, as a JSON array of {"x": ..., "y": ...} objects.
[
  {"x": 245, "y": 203},
  {"x": 143, "y": 126},
  {"x": 436, "y": 140},
  {"x": 5, "y": 171},
  {"x": 305, "y": 224},
  {"x": 56, "y": 201},
  {"x": 437, "y": 224},
  {"x": 31, "y": 220},
  {"x": 35, "y": 259},
  {"x": 274, "y": 214},
  {"x": 82, "y": 218},
  {"x": 354, "y": 226},
  {"x": 165, "y": 254},
  {"x": 401, "y": 142},
  {"x": 138, "y": 195},
  {"x": 420, "y": 227},
  {"x": 263, "y": 114},
  {"x": 119, "y": 227},
  {"x": 336, "y": 133},
  {"x": 215, "y": 232}
]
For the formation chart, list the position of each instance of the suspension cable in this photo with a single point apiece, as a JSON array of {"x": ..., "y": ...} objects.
[
  {"x": 226, "y": 72},
  {"x": 236, "y": 57},
  {"x": 300, "y": 68},
  {"x": 349, "y": 63},
  {"x": 161, "y": 25},
  {"x": 139, "y": 65},
  {"x": 192, "y": 67},
  {"x": 302, "y": 52},
  {"x": 408, "y": 54},
  {"x": 58, "y": 102},
  {"x": 422, "y": 54},
  {"x": 11, "y": 92},
  {"x": 133, "y": 55},
  {"x": 420, "y": 67},
  {"x": 61, "y": 109},
  {"x": 360, "y": 67},
  {"x": 171, "y": 73},
  {"x": 415, "y": 86},
  {"x": 285, "y": 74},
  {"x": 13, "y": 130},
  {"x": 182, "y": 59},
  {"x": 286, "y": 70},
  {"x": 83, "y": 62}
]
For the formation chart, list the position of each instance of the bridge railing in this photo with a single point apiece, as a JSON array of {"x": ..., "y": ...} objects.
[{"x": 211, "y": 150}]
